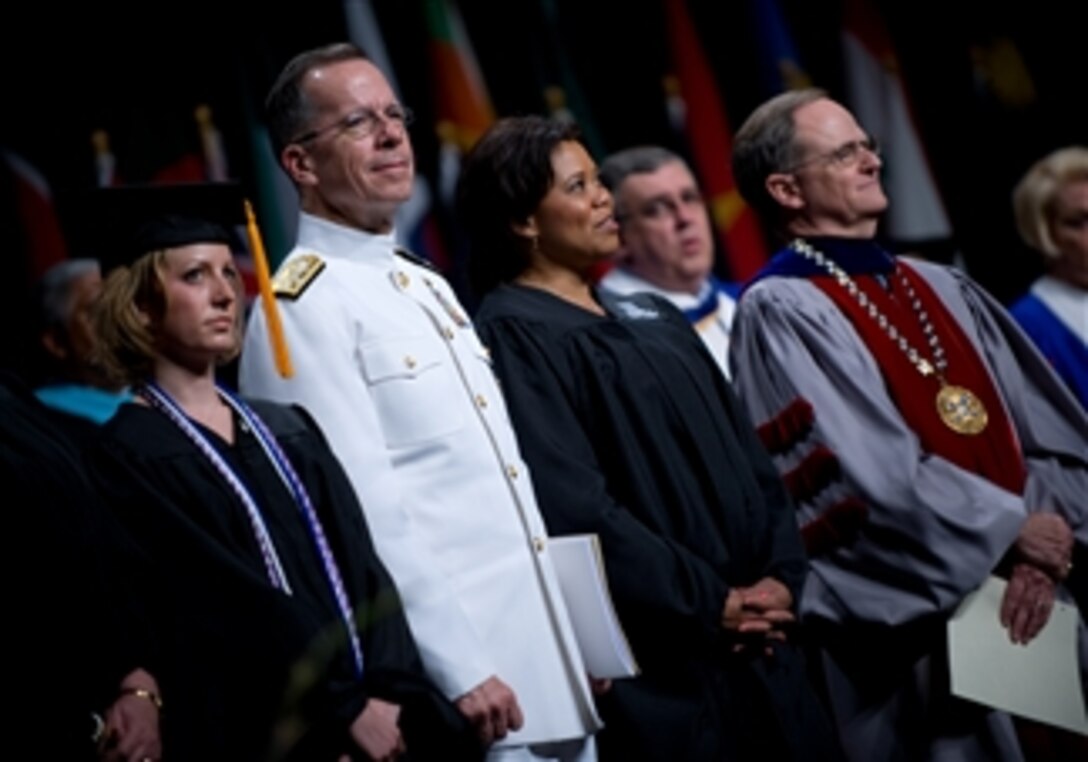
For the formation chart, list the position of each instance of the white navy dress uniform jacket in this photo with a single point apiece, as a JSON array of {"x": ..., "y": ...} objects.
[{"x": 390, "y": 366}]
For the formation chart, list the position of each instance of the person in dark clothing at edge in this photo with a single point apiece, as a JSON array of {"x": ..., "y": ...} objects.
[{"x": 81, "y": 656}]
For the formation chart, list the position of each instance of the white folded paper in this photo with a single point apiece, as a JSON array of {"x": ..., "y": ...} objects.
[
  {"x": 580, "y": 567},
  {"x": 1039, "y": 681}
]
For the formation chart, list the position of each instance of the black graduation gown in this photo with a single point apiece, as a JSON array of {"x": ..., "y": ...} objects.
[
  {"x": 632, "y": 432},
  {"x": 73, "y": 624},
  {"x": 258, "y": 674}
]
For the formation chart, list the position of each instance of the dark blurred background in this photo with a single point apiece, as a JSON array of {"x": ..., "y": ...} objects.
[{"x": 991, "y": 88}]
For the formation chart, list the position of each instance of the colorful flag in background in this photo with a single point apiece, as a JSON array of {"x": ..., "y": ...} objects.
[
  {"x": 710, "y": 144},
  {"x": 196, "y": 166},
  {"x": 366, "y": 34},
  {"x": 277, "y": 199},
  {"x": 186, "y": 168},
  {"x": 209, "y": 164},
  {"x": 563, "y": 96},
  {"x": 43, "y": 238},
  {"x": 463, "y": 106},
  {"x": 217, "y": 170},
  {"x": 416, "y": 223},
  {"x": 211, "y": 143},
  {"x": 779, "y": 62},
  {"x": 1001, "y": 74},
  {"x": 878, "y": 98},
  {"x": 463, "y": 109},
  {"x": 105, "y": 163}
]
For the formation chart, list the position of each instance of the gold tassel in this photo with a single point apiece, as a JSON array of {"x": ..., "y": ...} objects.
[{"x": 268, "y": 299}]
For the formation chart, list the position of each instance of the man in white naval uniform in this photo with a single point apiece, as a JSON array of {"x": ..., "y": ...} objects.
[
  {"x": 666, "y": 244},
  {"x": 390, "y": 366}
]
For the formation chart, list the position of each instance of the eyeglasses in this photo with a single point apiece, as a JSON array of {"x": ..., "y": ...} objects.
[
  {"x": 845, "y": 156},
  {"x": 363, "y": 123}
]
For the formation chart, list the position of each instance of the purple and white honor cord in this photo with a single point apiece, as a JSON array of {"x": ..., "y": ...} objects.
[{"x": 162, "y": 401}]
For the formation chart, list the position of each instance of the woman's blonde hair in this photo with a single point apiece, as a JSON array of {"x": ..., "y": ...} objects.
[
  {"x": 126, "y": 316},
  {"x": 1033, "y": 199}
]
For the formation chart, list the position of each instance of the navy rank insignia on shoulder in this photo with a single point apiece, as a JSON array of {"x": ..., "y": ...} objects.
[
  {"x": 415, "y": 259},
  {"x": 296, "y": 275}
]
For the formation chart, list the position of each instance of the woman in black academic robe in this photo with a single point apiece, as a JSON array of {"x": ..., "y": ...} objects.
[
  {"x": 632, "y": 433},
  {"x": 289, "y": 638},
  {"x": 80, "y": 658}
]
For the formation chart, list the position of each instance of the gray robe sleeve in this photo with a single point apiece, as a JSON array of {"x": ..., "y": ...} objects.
[
  {"x": 1050, "y": 423},
  {"x": 934, "y": 531}
]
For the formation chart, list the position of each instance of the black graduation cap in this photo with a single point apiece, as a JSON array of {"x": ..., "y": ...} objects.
[{"x": 120, "y": 225}]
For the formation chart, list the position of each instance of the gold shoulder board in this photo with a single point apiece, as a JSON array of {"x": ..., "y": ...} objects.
[
  {"x": 296, "y": 275},
  {"x": 415, "y": 258}
]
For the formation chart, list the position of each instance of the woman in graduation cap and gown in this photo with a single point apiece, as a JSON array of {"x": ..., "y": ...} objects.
[
  {"x": 632, "y": 433},
  {"x": 290, "y": 639}
]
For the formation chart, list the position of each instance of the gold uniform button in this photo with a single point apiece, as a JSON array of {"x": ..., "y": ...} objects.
[
  {"x": 447, "y": 332},
  {"x": 481, "y": 401},
  {"x": 402, "y": 280},
  {"x": 409, "y": 362},
  {"x": 512, "y": 472},
  {"x": 538, "y": 544}
]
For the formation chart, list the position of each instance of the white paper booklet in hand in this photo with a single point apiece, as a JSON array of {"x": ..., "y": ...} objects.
[
  {"x": 580, "y": 567},
  {"x": 1040, "y": 681}
]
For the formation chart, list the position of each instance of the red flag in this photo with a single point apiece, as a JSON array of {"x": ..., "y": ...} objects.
[
  {"x": 209, "y": 164},
  {"x": 187, "y": 168},
  {"x": 44, "y": 241},
  {"x": 710, "y": 142}
]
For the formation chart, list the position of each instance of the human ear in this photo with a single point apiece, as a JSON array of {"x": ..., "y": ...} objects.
[
  {"x": 784, "y": 189},
  {"x": 527, "y": 229},
  {"x": 55, "y": 344},
  {"x": 143, "y": 316},
  {"x": 298, "y": 164}
]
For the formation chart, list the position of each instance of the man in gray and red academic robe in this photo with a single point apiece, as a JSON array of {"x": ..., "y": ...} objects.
[{"x": 923, "y": 434}]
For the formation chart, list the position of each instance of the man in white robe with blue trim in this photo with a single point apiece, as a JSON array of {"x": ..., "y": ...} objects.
[{"x": 666, "y": 243}]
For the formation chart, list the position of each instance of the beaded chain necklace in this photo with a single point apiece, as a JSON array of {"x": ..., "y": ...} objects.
[
  {"x": 959, "y": 408},
  {"x": 158, "y": 398}
]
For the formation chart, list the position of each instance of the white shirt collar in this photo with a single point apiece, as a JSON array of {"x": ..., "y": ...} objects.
[
  {"x": 336, "y": 240},
  {"x": 1066, "y": 301},
  {"x": 623, "y": 281}
]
